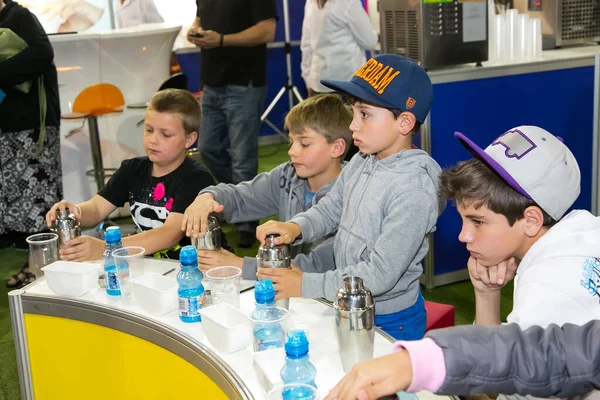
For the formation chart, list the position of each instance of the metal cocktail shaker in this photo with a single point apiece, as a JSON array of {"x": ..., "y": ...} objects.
[
  {"x": 271, "y": 255},
  {"x": 354, "y": 322},
  {"x": 212, "y": 239},
  {"x": 66, "y": 226}
]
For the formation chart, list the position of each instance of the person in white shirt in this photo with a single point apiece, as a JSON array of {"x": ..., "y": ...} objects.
[
  {"x": 335, "y": 36},
  {"x": 136, "y": 12},
  {"x": 512, "y": 198}
]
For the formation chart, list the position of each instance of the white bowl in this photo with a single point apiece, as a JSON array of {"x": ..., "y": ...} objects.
[
  {"x": 155, "y": 293},
  {"x": 226, "y": 327},
  {"x": 67, "y": 278}
]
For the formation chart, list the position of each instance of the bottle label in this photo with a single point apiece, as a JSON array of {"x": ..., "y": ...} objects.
[
  {"x": 190, "y": 306},
  {"x": 112, "y": 283}
]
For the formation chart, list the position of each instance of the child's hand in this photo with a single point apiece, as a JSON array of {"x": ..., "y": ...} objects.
[
  {"x": 209, "y": 259},
  {"x": 491, "y": 278},
  {"x": 286, "y": 281},
  {"x": 82, "y": 248},
  {"x": 195, "y": 216},
  {"x": 288, "y": 231},
  {"x": 61, "y": 205},
  {"x": 376, "y": 378}
]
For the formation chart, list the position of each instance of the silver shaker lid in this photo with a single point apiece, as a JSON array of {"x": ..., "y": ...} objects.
[
  {"x": 212, "y": 223},
  {"x": 212, "y": 239},
  {"x": 271, "y": 251},
  {"x": 65, "y": 220},
  {"x": 353, "y": 296}
]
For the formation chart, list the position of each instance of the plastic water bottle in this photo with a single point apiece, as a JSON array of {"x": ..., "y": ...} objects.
[
  {"x": 266, "y": 335},
  {"x": 407, "y": 396},
  {"x": 112, "y": 236},
  {"x": 191, "y": 290},
  {"x": 297, "y": 368}
]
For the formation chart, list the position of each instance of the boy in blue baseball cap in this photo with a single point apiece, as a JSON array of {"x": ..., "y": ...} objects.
[{"x": 383, "y": 204}]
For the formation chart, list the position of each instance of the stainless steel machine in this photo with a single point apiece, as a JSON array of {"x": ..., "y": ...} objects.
[
  {"x": 435, "y": 33},
  {"x": 564, "y": 22}
]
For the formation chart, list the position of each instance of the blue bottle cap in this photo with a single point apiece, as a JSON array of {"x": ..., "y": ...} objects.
[
  {"x": 188, "y": 255},
  {"x": 112, "y": 235},
  {"x": 296, "y": 344},
  {"x": 264, "y": 291}
]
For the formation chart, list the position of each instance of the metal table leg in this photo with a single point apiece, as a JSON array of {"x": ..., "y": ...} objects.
[{"x": 96, "y": 151}]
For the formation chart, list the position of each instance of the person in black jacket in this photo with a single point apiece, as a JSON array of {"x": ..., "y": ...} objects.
[{"x": 30, "y": 179}]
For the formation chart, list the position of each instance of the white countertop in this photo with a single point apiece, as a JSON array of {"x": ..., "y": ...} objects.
[
  {"x": 568, "y": 57},
  {"x": 314, "y": 317}
]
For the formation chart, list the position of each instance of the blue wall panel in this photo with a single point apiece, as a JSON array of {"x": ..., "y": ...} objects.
[{"x": 558, "y": 101}]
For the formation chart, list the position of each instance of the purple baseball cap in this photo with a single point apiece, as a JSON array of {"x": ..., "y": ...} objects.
[{"x": 535, "y": 163}]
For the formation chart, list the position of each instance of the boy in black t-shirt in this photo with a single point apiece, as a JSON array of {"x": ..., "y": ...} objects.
[{"x": 158, "y": 187}]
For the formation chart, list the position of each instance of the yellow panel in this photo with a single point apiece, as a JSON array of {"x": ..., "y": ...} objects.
[{"x": 77, "y": 360}]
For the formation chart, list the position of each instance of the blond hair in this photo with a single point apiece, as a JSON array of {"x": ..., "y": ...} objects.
[
  {"x": 326, "y": 114},
  {"x": 180, "y": 102}
]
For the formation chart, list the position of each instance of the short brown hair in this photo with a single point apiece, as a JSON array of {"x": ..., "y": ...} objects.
[
  {"x": 325, "y": 114},
  {"x": 395, "y": 111},
  {"x": 474, "y": 183},
  {"x": 180, "y": 102}
]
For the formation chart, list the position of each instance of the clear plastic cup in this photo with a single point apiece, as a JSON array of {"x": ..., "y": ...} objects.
[
  {"x": 225, "y": 285},
  {"x": 535, "y": 33},
  {"x": 268, "y": 331},
  {"x": 294, "y": 391},
  {"x": 512, "y": 35},
  {"x": 130, "y": 264},
  {"x": 43, "y": 250}
]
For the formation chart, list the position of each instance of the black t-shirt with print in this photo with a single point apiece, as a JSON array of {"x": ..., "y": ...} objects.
[
  {"x": 151, "y": 199},
  {"x": 222, "y": 66}
]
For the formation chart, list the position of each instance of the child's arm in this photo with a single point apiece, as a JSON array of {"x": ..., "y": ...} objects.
[
  {"x": 558, "y": 361},
  {"x": 319, "y": 221},
  {"x": 89, "y": 213},
  {"x": 487, "y": 282},
  {"x": 246, "y": 201},
  {"x": 409, "y": 217},
  {"x": 87, "y": 248},
  {"x": 252, "y": 200},
  {"x": 320, "y": 258},
  {"x": 157, "y": 239}
]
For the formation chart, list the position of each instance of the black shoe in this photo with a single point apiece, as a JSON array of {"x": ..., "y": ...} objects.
[{"x": 246, "y": 239}]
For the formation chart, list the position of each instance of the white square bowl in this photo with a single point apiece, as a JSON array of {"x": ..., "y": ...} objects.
[
  {"x": 227, "y": 328},
  {"x": 68, "y": 278},
  {"x": 155, "y": 293}
]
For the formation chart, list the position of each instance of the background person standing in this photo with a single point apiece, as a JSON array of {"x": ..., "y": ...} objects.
[{"x": 233, "y": 69}]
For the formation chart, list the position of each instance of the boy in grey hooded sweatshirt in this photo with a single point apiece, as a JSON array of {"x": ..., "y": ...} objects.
[
  {"x": 319, "y": 138},
  {"x": 383, "y": 205}
]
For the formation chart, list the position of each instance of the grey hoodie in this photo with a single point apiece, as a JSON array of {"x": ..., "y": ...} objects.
[
  {"x": 279, "y": 191},
  {"x": 382, "y": 211}
]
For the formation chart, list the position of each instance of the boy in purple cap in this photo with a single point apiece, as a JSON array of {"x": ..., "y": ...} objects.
[
  {"x": 383, "y": 204},
  {"x": 513, "y": 197}
]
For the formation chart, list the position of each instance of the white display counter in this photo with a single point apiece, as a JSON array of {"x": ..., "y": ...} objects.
[{"x": 67, "y": 344}]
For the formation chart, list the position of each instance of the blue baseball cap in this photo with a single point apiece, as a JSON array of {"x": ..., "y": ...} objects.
[{"x": 390, "y": 81}]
